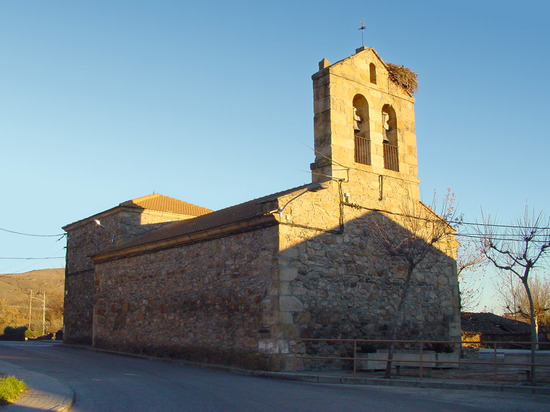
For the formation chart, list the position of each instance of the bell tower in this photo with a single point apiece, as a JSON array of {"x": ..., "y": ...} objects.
[{"x": 364, "y": 123}]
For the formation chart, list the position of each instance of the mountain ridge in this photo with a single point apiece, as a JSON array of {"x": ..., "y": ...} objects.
[{"x": 15, "y": 287}]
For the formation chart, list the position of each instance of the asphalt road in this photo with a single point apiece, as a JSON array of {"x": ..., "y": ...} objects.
[{"x": 106, "y": 382}]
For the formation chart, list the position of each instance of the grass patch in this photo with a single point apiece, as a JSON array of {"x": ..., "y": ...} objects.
[{"x": 11, "y": 389}]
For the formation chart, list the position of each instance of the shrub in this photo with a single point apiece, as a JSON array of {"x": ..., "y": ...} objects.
[
  {"x": 14, "y": 333},
  {"x": 31, "y": 334},
  {"x": 367, "y": 347},
  {"x": 11, "y": 389},
  {"x": 10, "y": 330},
  {"x": 440, "y": 347}
]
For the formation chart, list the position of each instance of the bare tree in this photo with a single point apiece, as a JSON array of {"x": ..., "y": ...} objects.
[
  {"x": 470, "y": 264},
  {"x": 519, "y": 250},
  {"x": 516, "y": 302},
  {"x": 410, "y": 237},
  {"x": 54, "y": 315}
]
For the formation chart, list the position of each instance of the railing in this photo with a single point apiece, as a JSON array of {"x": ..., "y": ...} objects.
[
  {"x": 423, "y": 361},
  {"x": 391, "y": 158},
  {"x": 362, "y": 150}
]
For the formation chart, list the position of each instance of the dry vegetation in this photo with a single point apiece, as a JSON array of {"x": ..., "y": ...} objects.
[
  {"x": 404, "y": 77},
  {"x": 14, "y": 299}
]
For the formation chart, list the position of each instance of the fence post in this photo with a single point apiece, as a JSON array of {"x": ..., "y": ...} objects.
[
  {"x": 295, "y": 355},
  {"x": 495, "y": 360},
  {"x": 354, "y": 357},
  {"x": 421, "y": 363}
]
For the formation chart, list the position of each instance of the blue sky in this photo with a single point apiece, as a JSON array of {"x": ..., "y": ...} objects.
[{"x": 211, "y": 103}]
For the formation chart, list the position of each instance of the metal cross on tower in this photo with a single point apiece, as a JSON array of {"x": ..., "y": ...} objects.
[{"x": 362, "y": 28}]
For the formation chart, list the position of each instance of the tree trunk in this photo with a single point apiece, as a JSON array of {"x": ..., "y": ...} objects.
[
  {"x": 534, "y": 336},
  {"x": 398, "y": 319}
]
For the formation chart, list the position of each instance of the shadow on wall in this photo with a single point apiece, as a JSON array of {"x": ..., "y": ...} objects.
[{"x": 239, "y": 294}]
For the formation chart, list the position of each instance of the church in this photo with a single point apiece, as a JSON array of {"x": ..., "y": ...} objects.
[{"x": 162, "y": 277}]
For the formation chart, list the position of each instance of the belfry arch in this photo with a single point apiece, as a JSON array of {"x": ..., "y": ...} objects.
[
  {"x": 390, "y": 138},
  {"x": 361, "y": 130}
]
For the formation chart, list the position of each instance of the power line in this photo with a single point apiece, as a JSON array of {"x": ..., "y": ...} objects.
[
  {"x": 451, "y": 222},
  {"x": 61, "y": 235},
  {"x": 32, "y": 258},
  {"x": 497, "y": 238},
  {"x": 501, "y": 226},
  {"x": 456, "y": 222}
]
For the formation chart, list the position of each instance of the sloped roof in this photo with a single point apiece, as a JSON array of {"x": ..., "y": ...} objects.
[
  {"x": 166, "y": 204},
  {"x": 232, "y": 215},
  {"x": 491, "y": 323},
  {"x": 154, "y": 202},
  {"x": 401, "y": 76},
  {"x": 361, "y": 50}
]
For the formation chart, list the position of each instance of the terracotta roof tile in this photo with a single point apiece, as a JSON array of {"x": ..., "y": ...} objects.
[
  {"x": 166, "y": 204},
  {"x": 491, "y": 323},
  {"x": 231, "y": 215}
]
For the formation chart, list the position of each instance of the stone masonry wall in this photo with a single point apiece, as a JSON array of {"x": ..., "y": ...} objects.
[
  {"x": 258, "y": 291},
  {"x": 199, "y": 300},
  {"x": 82, "y": 242},
  {"x": 334, "y": 89},
  {"x": 343, "y": 286},
  {"x": 85, "y": 239}
]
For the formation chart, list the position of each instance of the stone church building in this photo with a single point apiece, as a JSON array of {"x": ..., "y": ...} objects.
[{"x": 160, "y": 276}]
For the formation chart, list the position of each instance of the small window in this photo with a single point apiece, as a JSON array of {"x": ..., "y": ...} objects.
[
  {"x": 372, "y": 69},
  {"x": 361, "y": 130}
]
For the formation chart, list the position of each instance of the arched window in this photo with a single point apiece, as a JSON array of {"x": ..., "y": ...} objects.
[
  {"x": 372, "y": 70},
  {"x": 389, "y": 130},
  {"x": 361, "y": 130}
]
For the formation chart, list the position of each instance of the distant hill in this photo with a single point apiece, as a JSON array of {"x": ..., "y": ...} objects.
[{"x": 15, "y": 287}]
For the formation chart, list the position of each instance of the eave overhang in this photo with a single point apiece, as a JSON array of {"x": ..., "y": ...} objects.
[{"x": 248, "y": 225}]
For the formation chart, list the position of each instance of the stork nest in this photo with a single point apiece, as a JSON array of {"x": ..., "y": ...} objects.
[{"x": 404, "y": 77}]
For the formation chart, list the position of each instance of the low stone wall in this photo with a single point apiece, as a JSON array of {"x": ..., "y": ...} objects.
[
  {"x": 541, "y": 358},
  {"x": 401, "y": 358}
]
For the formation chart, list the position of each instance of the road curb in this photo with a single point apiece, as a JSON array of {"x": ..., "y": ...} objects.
[
  {"x": 346, "y": 380},
  {"x": 443, "y": 384},
  {"x": 44, "y": 392}
]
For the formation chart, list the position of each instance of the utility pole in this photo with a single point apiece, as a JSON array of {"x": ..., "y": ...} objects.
[
  {"x": 44, "y": 315},
  {"x": 43, "y": 311},
  {"x": 30, "y": 310}
]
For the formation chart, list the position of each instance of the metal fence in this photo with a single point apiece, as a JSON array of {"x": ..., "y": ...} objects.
[
  {"x": 416, "y": 358},
  {"x": 391, "y": 159},
  {"x": 362, "y": 150}
]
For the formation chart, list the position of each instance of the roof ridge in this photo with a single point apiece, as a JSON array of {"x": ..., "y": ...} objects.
[
  {"x": 163, "y": 203},
  {"x": 240, "y": 212}
]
